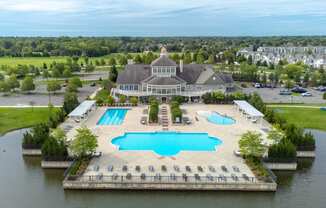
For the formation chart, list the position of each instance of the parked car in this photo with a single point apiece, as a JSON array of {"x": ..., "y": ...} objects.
[
  {"x": 306, "y": 94},
  {"x": 321, "y": 89},
  {"x": 257, "y": 85},
  {"x": 285, "y": 92},
  {"x": 298, "y": 90}
]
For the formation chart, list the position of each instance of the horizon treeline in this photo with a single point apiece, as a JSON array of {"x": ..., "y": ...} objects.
[{"x": 100, "y": 46}]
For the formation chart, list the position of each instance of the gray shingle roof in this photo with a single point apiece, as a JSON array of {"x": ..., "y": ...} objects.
[
  {"x": 163, "y": 60},
  {"x": 134, "y": 74},
  {"x": 191, "y": 74},
  {"x": 164, "y": 81}
]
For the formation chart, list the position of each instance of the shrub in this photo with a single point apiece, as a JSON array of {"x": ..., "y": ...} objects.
[
  {"x": 110, "y": 100},
  {"x": 56, "y": 117},
  {"x": 36, "y": 137},
  {"x": 78, "y": 167},
  {"x": 133, "y": 101},
  {"x": 175, "y": 111},
  {"x": 54, "y": 150},
  {"x": 70, "y": 101},
  {"x": 153, "y": 111},
  {"x": 220, "y": 98},
  {"x": 179, "y": 99},
  {"x": 122, "y": 99},
  {"x": 101, "y": 96},
  {"x": 307, "y": 143},
  {"x": 324, "y": 96},
  {"x": 284, "y": 151}
]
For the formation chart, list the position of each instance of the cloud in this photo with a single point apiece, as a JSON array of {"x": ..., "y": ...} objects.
[
  {"x": 40, "y": 5},
  {"x": 174, "y": 17}
]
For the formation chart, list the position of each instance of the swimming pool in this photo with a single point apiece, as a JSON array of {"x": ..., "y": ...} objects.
[
  {"x": 216, "y": 118},
  {"x": 113, "y": 117},
  {"x": 166, "y": 143}
]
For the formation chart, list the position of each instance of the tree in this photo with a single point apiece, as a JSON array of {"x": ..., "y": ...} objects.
[
  {"x": 138, "y": 59},
  {"x": 123, "y": 60},
  {"x": 211, "y": 59},
  {"x": 200, "y": 58},
  {"x": 112, "y": 61},
  {"x": 27, "y": 84},
  {"x": 133, "y": 101},
  {"x": 251, "y": 145},
  {"x": 89, "y": 68},
  {"x": 84, "y": 144},
  {"x": 275, "y": 135},
  {"x": 110, "y": 100},
  {"x": 122, "y": 99},
  {"x": 59, "y": 135},
  {"x": 4, "y": 87},
  {"x": 53, "y": 86},
  {"x": 13, "y": 82},
  {"x": 70, "y": 101},
  {"x": 54, "y": 150},
  {"x": 74, "y": 83},
  {"x": 113, "y": 74},
  {"x": 36, "y": 137},
  {"x": 67, "y": 73}
]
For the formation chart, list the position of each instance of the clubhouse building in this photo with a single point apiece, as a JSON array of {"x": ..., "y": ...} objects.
[{"x": 163, "y": 78}]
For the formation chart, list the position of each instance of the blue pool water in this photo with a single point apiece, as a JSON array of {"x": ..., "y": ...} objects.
[
  {"x": 113, "y": 117},
  {"x": 217, "y": 118},
  {"x": 166, "y": 143}
]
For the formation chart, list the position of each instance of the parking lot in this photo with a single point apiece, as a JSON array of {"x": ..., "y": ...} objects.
[
  {"x": 271, "y": 95},
  {"x": 41, "y": 98}
]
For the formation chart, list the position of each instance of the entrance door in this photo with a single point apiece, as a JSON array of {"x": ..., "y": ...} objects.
[{"x": 164, "y": 99}]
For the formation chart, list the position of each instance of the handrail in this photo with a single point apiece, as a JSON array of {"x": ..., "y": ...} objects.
[{"x": 161, "y": 179}]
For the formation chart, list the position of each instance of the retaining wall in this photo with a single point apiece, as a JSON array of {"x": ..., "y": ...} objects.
[
  {"x": 303, "y": 154},
  {"x": 281, "y": 166},
  {"x": 270, "y": 187},
  {"x": 56, "y": 164},
  {"x": 31, "y": 152}
]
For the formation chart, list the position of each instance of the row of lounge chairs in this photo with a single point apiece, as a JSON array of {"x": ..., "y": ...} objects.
[
  {"x": 172, "y": 177},
  {"x": 176, "y": 168}
]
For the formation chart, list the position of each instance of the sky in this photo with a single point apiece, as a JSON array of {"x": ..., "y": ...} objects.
[{"x": 162, "y": 17}]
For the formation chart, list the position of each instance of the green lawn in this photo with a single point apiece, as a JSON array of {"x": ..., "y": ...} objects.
[
  {"x": 17, "y": 118},
  {"x": 36, "y": 61},
  {"x": 304, "y": 117}
]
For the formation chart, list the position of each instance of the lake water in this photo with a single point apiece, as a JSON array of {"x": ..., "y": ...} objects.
[{"x": 23, "y": 183}]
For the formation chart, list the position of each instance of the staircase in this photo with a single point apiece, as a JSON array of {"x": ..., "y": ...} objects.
[{"x": 165, "y": 118}]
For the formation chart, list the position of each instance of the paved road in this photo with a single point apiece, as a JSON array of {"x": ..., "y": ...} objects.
[
  {"x": 40, "y": 96},
  {"x": 270, "y": 95},
  {"x": 42, "y": 99}
]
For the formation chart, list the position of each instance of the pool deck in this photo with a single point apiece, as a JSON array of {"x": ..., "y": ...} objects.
[{"x": 224, "y": 156}]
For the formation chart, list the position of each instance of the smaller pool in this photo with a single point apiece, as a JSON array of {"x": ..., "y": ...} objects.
[
  {"x": 217, "y": 118},
  {"x": 113, "y": 117}
]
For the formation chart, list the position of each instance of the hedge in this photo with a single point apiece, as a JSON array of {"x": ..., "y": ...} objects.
[
  {"x": 153, "y": 111},
  {"x": 36, "y": 137},
  {"x": 284, "y": 151}
]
